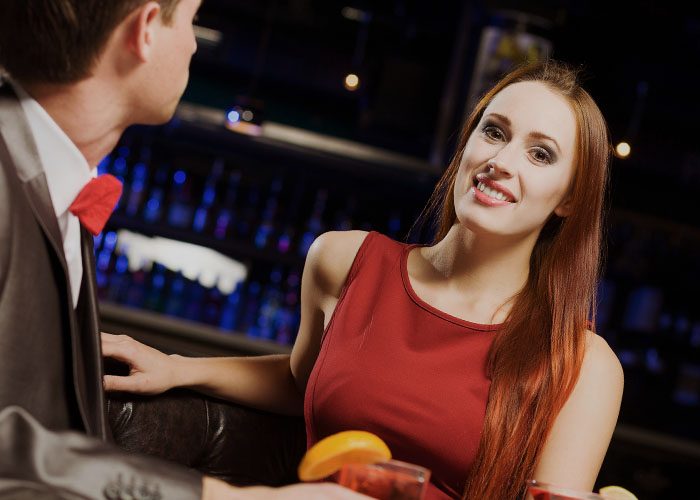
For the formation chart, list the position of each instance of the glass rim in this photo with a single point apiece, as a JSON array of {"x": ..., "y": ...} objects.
[
  {"x": 563, "y": 490},
  {"x": 393, "y": 462}
]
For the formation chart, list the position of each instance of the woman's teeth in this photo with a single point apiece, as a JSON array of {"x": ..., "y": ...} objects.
[{"x": 491, "y": 193}]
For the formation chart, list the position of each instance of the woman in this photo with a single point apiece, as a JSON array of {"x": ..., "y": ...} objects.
[{"x": 471, "y": 356}]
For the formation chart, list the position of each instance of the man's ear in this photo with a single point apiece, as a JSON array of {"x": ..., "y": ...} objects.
[
  {"x": 144, "y": 22},
  {"x": 564, "y": 208}
]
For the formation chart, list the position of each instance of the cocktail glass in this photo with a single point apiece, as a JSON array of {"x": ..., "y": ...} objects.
[{"x": 390, "y": 480}]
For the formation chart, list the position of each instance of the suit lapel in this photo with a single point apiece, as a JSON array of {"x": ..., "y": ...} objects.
[
  {"x": 18, "y": 149},
  {"x": 23, "y": 154}
]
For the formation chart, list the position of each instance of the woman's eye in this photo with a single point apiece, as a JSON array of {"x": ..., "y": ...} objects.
[
  {"x": 493, "y": 132},
  {"x": 542, "y": 155}
]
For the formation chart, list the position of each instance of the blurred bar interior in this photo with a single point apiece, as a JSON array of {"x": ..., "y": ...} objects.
[{"x": 306, "y": 116}]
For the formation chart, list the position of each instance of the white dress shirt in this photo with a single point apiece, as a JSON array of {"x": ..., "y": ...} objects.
[{"x": 67, "y": 172}]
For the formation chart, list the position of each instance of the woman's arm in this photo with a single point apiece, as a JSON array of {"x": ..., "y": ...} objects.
[
  {"x": 274, "y": 383},
  {"x": 577, "y": 443},
  {"x": 262, "y": 382}
]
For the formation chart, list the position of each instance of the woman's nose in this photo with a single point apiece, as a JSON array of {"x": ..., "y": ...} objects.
[{"x": 499, "y": 167}]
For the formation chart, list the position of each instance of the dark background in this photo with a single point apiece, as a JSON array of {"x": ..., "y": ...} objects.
[{"x": 294, "y": 54}]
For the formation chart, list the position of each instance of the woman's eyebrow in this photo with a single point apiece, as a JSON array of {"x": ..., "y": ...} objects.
[
  {"x": 502, "y": 118},
  {"x": 541, "y": 135}
]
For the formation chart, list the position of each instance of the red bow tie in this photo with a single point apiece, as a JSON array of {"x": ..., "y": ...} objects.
[{"x": 96, "y": 201}]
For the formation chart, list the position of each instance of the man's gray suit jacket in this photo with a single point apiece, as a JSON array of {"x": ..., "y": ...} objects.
[{"x": 54, "y": 438}]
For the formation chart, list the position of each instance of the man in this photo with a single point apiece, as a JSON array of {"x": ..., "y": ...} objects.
[{"x": 80, "y": 72}]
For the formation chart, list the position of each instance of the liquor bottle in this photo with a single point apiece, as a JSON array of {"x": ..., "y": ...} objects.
[
  {"x": 118, "y": 281},
  {"x": 249, "y": 215},
  {"x": 226, "y": 216},
  {"x": 161, "y": 177},
  {"x": 120, "y": 169},
  {"x": 155, "y": 296},
  {"x": 315, "y": 225},
  {"x": 153, "y": 210},
  {"x": 175, "y": 300},
  {"x": 212, "y": 307},
  {"x": 120, "y": 164},
  {"x": 270, "y": 303},
  {"x": 287, "y": 237},
  {"x": 100, "y": 274},
  {"x": 266, "y": 229},
  {"x": 250, "y": 309},
  {"x": 263, "y": 234},
  {"x": 180, "y": 211},
  {"x": 106, "y": 253},
  {"x": 139, "y": 180},
  {"x": 285, "y": 240},
  {"x": 136, "y": 290},
  {"x": 202, "y": 214},
  {"x": 194, "y": 300},
  {"x": 231, "y": 310},
  {"x": 105, "y": 259},
  {"x": 287, "y": 320}
]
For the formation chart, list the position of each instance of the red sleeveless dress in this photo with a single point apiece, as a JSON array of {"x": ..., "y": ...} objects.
[{"x": 393, "y": 365}]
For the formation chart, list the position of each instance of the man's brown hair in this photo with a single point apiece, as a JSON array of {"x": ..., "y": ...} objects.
[{"x": 58, "y": 41}]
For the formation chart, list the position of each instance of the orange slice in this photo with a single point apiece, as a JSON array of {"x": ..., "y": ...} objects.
[
  {"x": 616, "y": 493},
  {"x": 349, "y": 447}
]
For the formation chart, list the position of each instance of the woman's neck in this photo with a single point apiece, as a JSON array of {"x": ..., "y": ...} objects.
[{"x": 481, "y": 269}]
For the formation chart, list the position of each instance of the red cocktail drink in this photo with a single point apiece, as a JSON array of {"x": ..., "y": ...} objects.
[{"x": 392, "y": 480}]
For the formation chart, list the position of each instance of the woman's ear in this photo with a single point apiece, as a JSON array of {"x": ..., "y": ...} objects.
[{"x": 144, "y": 23}]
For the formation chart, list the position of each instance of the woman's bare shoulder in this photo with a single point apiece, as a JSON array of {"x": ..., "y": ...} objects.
[
  {"x": 331, "y": 256},
  {"x": 600, "y": 361}
]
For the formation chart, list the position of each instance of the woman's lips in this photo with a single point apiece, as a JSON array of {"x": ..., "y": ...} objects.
[
  {"x": 491, "y": 193},
  {"x": 493, "y": 186},
  {"x": 485, "y": 199}
]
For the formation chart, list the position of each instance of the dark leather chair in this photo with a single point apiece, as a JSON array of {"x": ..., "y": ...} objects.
[{"x": 234, "y": 443}]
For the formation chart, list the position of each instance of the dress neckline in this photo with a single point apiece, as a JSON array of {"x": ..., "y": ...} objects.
[{"x": 432, "y": 309}]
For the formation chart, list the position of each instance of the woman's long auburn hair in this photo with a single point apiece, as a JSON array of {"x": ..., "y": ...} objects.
[{"x": 536, "y": 357}]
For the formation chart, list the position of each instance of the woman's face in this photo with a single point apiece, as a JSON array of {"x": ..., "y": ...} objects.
[{"x": 517, "y": 166}]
